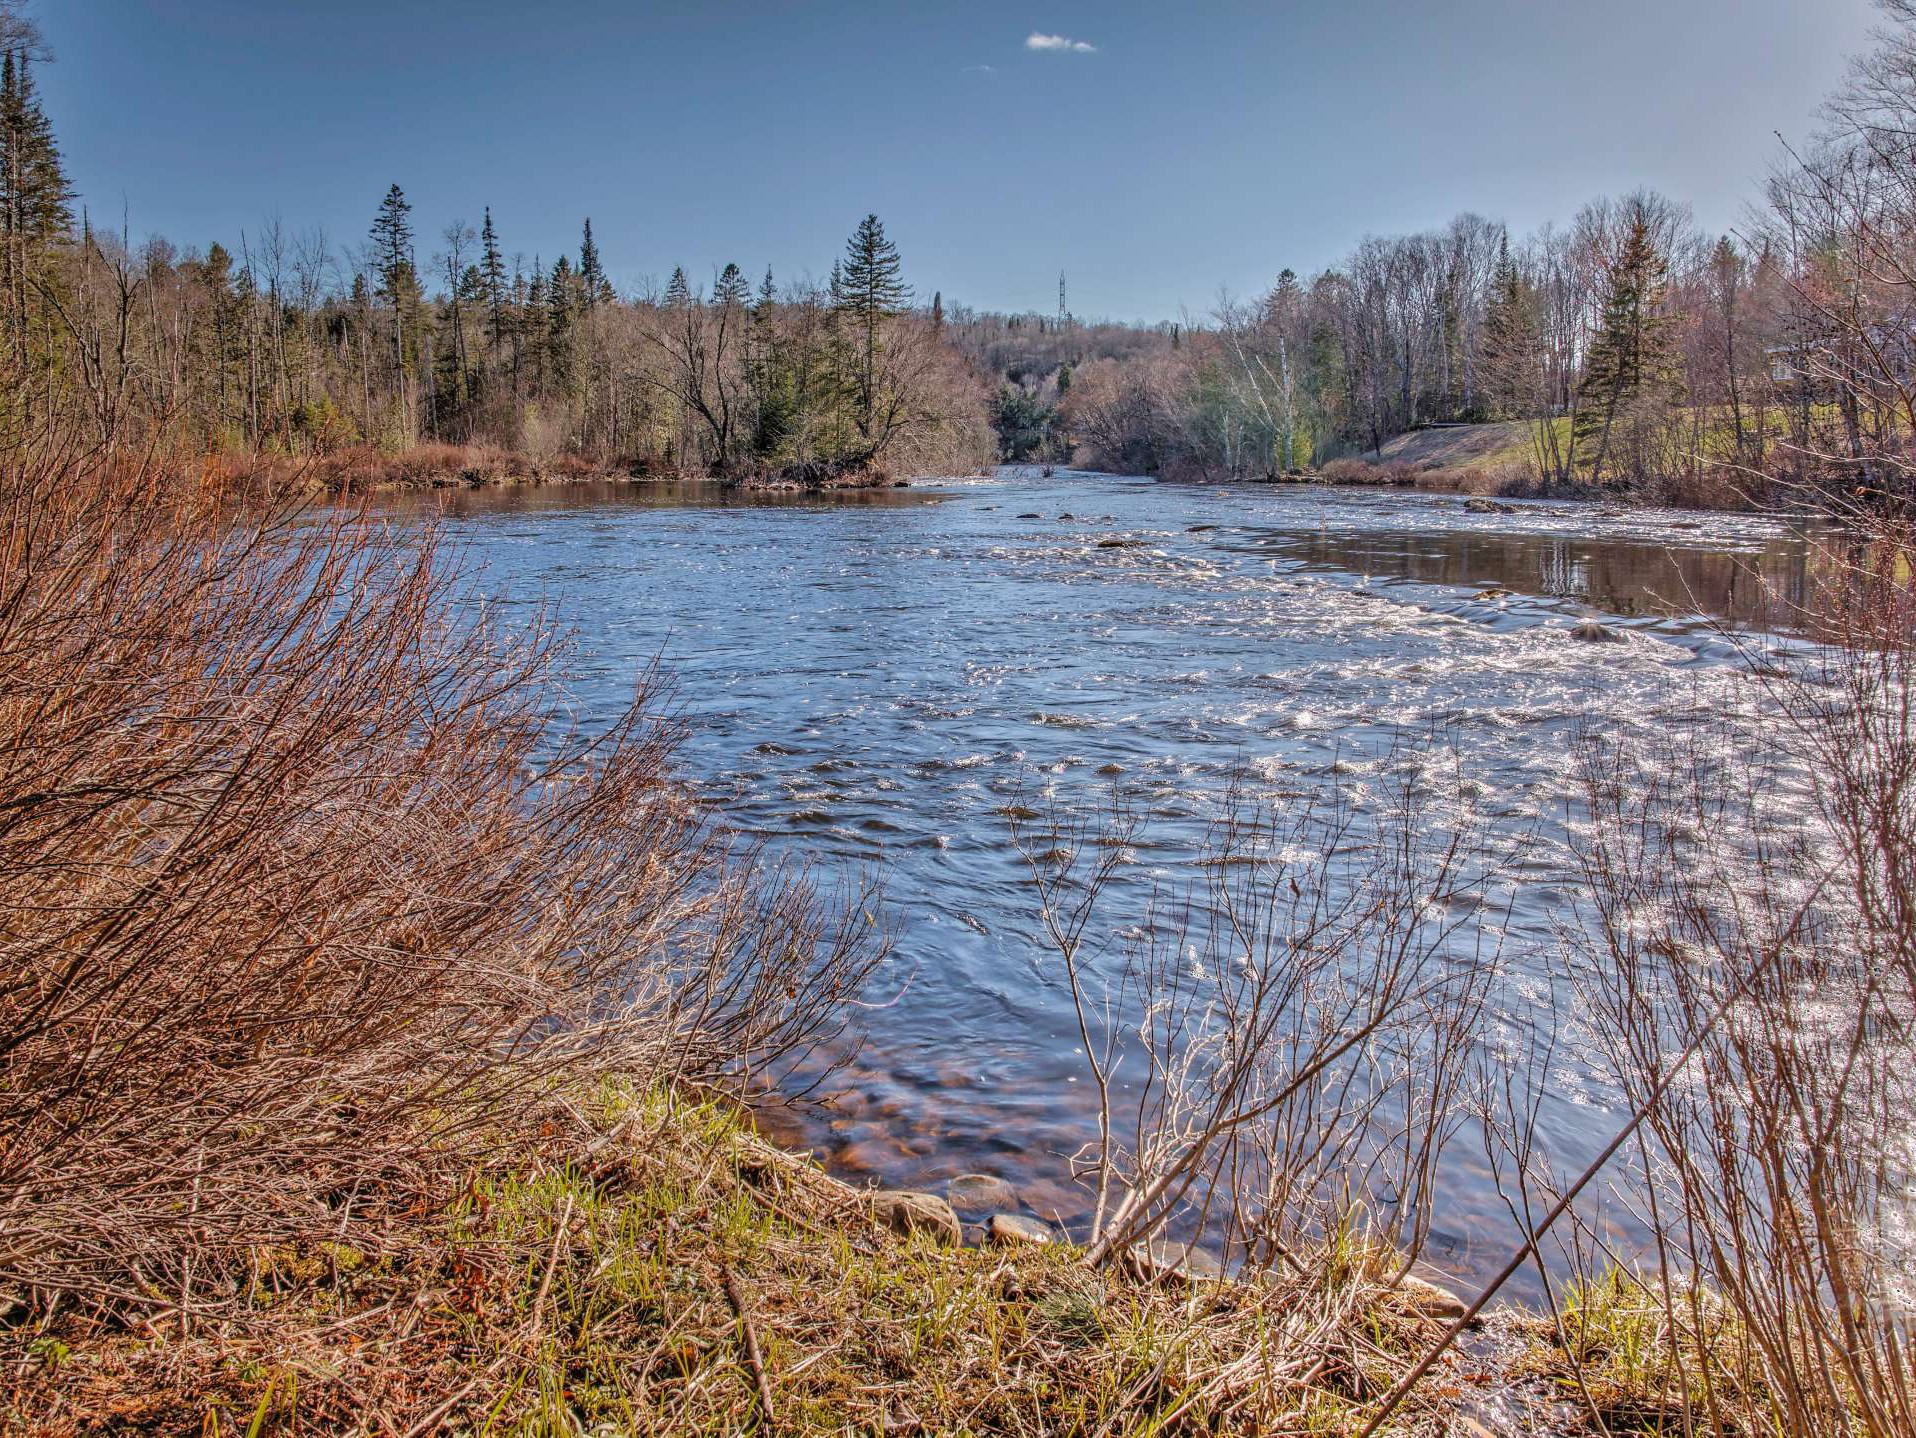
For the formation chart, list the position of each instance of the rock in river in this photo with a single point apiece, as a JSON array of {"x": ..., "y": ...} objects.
[
  {"x": 1591, "y": 632},
  {"x": 981, "y": 1193}
]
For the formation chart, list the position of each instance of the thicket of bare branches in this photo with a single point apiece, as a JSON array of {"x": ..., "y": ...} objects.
[
  {"x": 1754, "y": 979},
  {"x": 1753, "y": 990},
  {"x": 302, "y": 900},
  {"x": 1283, "y": 1052}
]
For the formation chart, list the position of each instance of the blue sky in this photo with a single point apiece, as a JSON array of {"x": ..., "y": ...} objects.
[{"x": 1172, "y": 146}]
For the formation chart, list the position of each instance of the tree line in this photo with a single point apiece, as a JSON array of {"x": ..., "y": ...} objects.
[
  {"x": 288, "y": 343},
  {"x": 1628, "y": 350}
]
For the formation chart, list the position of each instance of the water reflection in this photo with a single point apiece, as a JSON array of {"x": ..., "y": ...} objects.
[{"x": 1765, "y": 585}]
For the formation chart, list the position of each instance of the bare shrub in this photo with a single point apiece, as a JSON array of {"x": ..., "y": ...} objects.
[
  {"x": 1777, "y": 958},
  {"x": 1281, "y": 1055},
  {"x": 1351, "y": 471},
  {"x": 303, "y": 902}
]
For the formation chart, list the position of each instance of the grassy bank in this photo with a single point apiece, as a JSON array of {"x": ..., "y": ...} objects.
[{"x": 660, "y": 1268}]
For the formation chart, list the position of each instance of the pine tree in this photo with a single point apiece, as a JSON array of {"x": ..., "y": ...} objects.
[
  {"x": 492, "y": 269},
  {"x": 535, "y": 303},
  {"x": 393, "y": 268},
  {"x": 34, "y": 193},
  {"x": 563, "y": 302},
  {"x": 869, "y": 289},
  {"x": 678, "y": 294},
  {"x": 1512, "y": 341},
  {"x": 1630, "y": 362},
  {"x": 593, "y": 287},
  {"x": 222, "y": 308},
  {"x": 731, "y": 291},
  {"x": 938, "y": 312}
]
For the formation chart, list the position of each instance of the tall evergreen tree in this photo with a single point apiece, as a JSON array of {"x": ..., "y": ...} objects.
[
  {"x": 1630, "y": 361},
  {"x": 678, "y": 294},
  {"x": 1512, "y": 341},
  {"x": 398, "y": 280},
  {"x": 731, "y": 291},
  {"x": 530, "y": 313},
  {"x": 35, "y": 208},
  {"x": 492, "y": 270},
  {"x": 593, "y": 287},
  {"x": 870, "y": 289},
  {"x": 563, "y": 302}
]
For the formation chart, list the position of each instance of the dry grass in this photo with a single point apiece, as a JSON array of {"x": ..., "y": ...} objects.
[
  {"x": 363, "y": 468},
  {"x": 685, "y": 1278}
]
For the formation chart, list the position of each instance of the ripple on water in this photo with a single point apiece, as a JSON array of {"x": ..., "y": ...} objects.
[{"x": 894, "y": 678}]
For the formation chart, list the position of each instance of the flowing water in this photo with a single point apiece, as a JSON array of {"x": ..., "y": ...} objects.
[{"x": 890, "y": 678}]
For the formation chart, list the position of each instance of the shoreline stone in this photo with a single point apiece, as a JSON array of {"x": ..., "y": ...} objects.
[
  {"x": 1161, "y": 1260},
  {"x": 1007, "y": 1230},
  {"x": 1432, "y": 1300},
  {"x": 909, "y": 1211}
]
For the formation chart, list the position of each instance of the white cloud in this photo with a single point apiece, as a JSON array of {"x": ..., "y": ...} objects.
[
  {"x": 981, "y": 69},
  {"x": 1035, "y": 41}
]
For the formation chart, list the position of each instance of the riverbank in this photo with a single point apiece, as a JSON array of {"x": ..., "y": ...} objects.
[
  {"x": 364, "y": 469},
  {"x": 1499, "y": 459},
  {"x": 661, "y": 1267}
]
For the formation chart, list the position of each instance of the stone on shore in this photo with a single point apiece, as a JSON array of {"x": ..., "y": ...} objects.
[
  {"x": 906, "y": 1211},
  {"x": 1007, "y": 1230},
  {"x": 1430, "y": 1299},
  {"x": 1163, "y": 1261}
]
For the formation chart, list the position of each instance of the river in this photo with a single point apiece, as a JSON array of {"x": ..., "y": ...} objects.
[{"x": 889, "y": 679}]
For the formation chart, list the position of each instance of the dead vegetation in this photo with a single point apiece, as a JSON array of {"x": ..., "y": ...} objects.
[
  {"x": 361, "y": 469},
  {"x": 306, "y": 906},
  {"x": 661, "y": 1270}
]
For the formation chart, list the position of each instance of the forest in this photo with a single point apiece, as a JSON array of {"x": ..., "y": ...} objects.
[{"x": 1626, "y": 351}]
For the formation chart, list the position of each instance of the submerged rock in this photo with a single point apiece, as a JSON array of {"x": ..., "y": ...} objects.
[
  {"x": 1009, "y": 1229},
  {"x": 1591, "y": 632},
  {"x": 1479, "y": 505},
  {"x": 908, "y": 1211},
  {"x": 1120, "y": 544},
  {"x": 1031, "y": 514},
  {"x": 981, "y": 1193}
]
